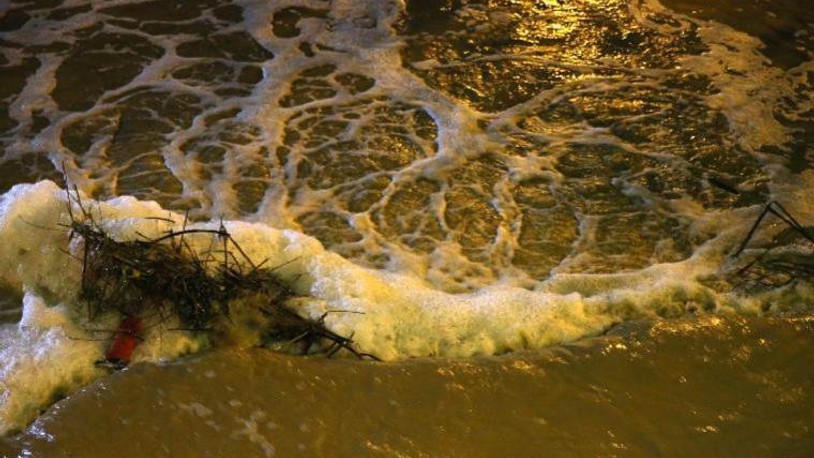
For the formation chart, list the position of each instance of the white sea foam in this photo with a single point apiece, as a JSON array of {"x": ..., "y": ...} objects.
[
  {"x": 403, "y": 316},
  {"x": 357, "y": 37}
]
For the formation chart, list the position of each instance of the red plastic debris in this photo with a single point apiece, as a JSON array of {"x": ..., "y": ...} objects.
[{"x": 125, "y": 340}]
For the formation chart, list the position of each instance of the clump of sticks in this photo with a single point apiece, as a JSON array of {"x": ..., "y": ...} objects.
[{"x": 165, "y": 277}]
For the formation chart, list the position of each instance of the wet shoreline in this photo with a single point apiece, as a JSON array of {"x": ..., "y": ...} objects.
[{"x": 697, "y": 386}]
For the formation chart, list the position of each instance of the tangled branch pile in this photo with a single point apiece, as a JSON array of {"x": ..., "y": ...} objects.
[{"x": 164, "y": 276}]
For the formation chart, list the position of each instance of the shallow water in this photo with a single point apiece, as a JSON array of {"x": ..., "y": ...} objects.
[
  {"x": 708, "y": 386},
  {"x": 501, "y": 176}
]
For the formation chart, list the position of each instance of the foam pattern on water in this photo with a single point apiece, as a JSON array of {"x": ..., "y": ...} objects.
[
  {"x": 476, "y": 177},
  {"x": 468, "y": 144},
  {"x": 51, "y": 351}
]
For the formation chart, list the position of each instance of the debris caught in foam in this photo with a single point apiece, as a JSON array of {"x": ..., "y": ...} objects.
[
  {"x": 162, "y": 278},
  {"x": 52, "y": 350},
  {"x": 785, "y": 260}
]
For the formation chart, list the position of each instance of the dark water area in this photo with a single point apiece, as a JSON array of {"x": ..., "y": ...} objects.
[
  {"x": 785, "y": 29},
  {"x": 783, "y": 26}
]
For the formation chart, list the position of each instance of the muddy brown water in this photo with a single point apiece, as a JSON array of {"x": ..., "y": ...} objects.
[{"x": 707, "y": 387}]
